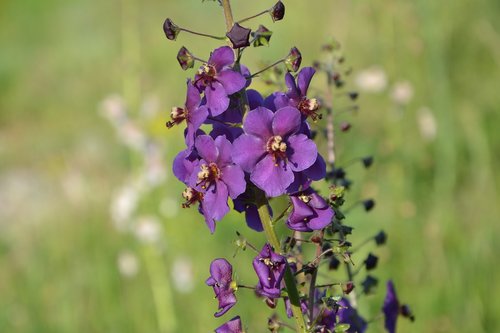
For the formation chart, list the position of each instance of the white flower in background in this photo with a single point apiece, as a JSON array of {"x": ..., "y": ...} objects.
[
  {"x": 128, "y": 264},
  {"x": 427, "y": 124},
  {"x": 150, "y": 107},
  {"x": 182, "y": 274},
  {"x": 169, "y": 207},
  {"x": 113, "y": 109},
  {"x": 148, "y": 229},
  {"x": 402, "y": 92},
  {"x": 154, "y": 172},
  {"x": 371, "y": 80},
  {"x": 123, "y": 206},
  {"x": 132, "y": 136}
]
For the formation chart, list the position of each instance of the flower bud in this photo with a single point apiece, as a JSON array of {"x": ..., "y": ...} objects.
[
  {"x": 369, "y": 284},
  {"x": 406, "y": 312},
  {"x": 369, "y": 204},
  {"x": 333, "y": 263},
  {"x": 170, "y": 29},
  {"x": 185, "y": 58},
  {"x": 261, "y": 36},
  {"x": 239, "y": 36},
  {"x": 371, "y": 262},
  {"x": 293, "y": 60},
  {"x": 345, "y": 126},
  {"x": 381, "y": 238},
  {"x": 367, "y": 161},
  {"x": 347, "y": 287},
  {"x": 278, "y": 11}
]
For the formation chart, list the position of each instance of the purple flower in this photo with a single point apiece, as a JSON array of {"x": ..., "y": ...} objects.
[
  {"x": 270, "y": 268},
  {"x": 297, "y": 93},
  {"x": 216, "y": 176},
  {"x": 221, "y": 279},
  {"x": 348, "y": 315},
  {"x": 391, "y": 308},
  {"x": 272, "y": 148},
  {"x": 232, "y": 326},
  {"x": 310, "y": 212},
  {"x": 243, "y": 204},
  {"x": 192, "y": 113},
  {"x": 218, "y": 80}
]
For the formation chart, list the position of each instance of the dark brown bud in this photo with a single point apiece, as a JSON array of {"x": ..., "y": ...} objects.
[
  {"x": 293, "y": 60},
  {"x": 278, "y": 11},
  {"x": 239, "y": 36},
  {"x": 170, "y": 29},
  {"x": 185, "y": 58},
  {"x": 347, "y": 287},
  {"x": 261, "y": 36},
  {"x": 345, "y": 126}
]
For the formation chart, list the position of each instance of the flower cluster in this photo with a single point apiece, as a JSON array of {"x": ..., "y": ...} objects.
[{"x": 244, "y": 149}]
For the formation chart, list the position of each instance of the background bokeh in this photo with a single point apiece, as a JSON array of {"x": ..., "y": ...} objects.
[{"x": 92, "y": 237}]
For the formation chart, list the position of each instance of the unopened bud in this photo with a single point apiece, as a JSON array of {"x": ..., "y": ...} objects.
[
  {"x": 293, "y": 60},
  {"x": 371, "y": 262},
  {"x": 239, "y": 36},
  {"x": 406, "y": 312},
  {"x": 185, "y": 58},
  {"x": 347, "y": 287},
  {"x": 367, "y": 161},
  {"x": 345, "y": 126},
  {"x": 369, "y": 204},
  {"x": 261, "y": 36},
  {"x": 369, "y": 284},
  {"x": 278, "y": 11},
  {"x": 381, "y": 238},
  {"x": 170, "y": 29}
]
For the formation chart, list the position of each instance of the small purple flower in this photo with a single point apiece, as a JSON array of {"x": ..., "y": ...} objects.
[
  {"x": 349, "y": 315},
  {"x": 232, "y": 326},
  {"x": 218, "y": 80},
  {"x": 272, "y": 148},
  {"x": 297, "y": 93},
  {"x": 221, "y": 279},
  {"x": 270, "y": 268},
  {"x": 391, "y": 308},
  {"x": 192, "y": 113},
  {"x": 216, "y": 176},
  {"x": 310, "y": 212}
]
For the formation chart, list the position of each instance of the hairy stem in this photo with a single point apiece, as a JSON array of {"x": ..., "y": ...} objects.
[{"x": 228, "y": 14}]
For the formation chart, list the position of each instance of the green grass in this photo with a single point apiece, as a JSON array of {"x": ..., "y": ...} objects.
[{"x": 436, "y": 199}]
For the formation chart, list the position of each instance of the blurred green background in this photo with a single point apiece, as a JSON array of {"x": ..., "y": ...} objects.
[{"x": 92, "y": 237}]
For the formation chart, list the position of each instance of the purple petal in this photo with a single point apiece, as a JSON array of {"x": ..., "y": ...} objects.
[
  {"x": 215, "y": 201},
  {"x": 206, "y": 148},
  {"x": 322, "y": 219},
  {"x": 248, "y": 150},
  {"x": 220, "y": 270},
  {"x": 224, "y": 148},
  {"x": 253, "y": 219},
  {"x": 293, "y": 91},
  {"x": 259, "y": 123},
  {"x": 193, "y": 97},
  {"x": 254, "y": 99},
  {"x": 317, "y": 171},
  {"x": 217, "y": 99},
  {"x": 196, "y": 119},
  {"x": 234, "y": 178},
  {"x": 271, "y": 177},
  {"x": 183, "y": 166},
  {"x": 391, "y": 308},
  {"x": 276, "y": 100},
  {"x": 231, "y": 80},
  {"x": 226, "y": 302},
  {"x": 304, "y": 79},
  {"x": 303, "y": 152},
  {"x": 232, "y": 326},
  {"x": 221, "y": 57},
  {"x": 286, "y": 121}
]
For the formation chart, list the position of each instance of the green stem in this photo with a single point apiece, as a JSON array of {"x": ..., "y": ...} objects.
[{"x": 291, "y": 287}]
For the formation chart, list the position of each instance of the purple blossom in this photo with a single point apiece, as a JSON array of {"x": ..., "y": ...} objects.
[
  {"x": 310, "y": 212},
  {"x": 243, "y": 204},
  {"x": 270, "y": 268},
  {"x": 221, "y": 279},
  {"x": 391, "y": 308},
  {"x": 232, "y": 326},
  {"x": 349, "y": 315},
  {"x": 192, "y": 113},
  {"x": 272, "y": 148},
  {"x": 218, "y": 80},
  {"x": 297, "y": 93}
]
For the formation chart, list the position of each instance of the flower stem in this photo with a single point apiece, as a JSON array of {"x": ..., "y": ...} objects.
[
  {"x": 268, "y": 67},
  {"x": 228, "y": 14},
  {"x": 291, "y": 287},
  {"x": 202, "y": 34},
  {"x": 253, "y": 16}
]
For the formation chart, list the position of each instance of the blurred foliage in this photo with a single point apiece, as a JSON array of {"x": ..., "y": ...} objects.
[{"x": 61, "y": 163}]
